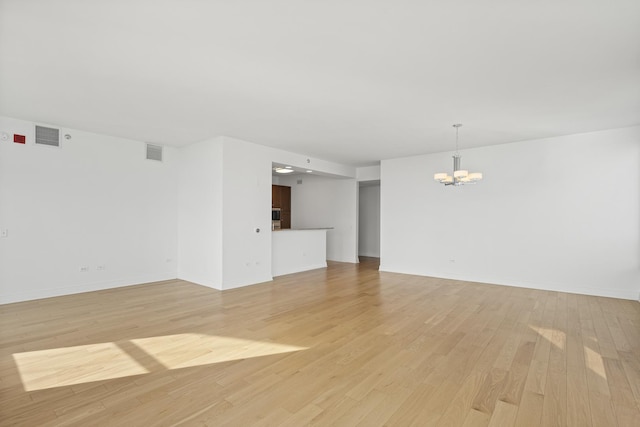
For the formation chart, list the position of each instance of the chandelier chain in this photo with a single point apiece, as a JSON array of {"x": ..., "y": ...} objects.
[{"x": 457, "y": 126}]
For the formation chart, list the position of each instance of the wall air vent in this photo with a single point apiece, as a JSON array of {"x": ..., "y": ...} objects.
[
  {"x": 154, "y": 152},
  {"x": 47, "y": 136}
]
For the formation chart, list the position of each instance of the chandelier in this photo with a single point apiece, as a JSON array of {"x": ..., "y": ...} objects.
[{"x": 460, "y": 176}]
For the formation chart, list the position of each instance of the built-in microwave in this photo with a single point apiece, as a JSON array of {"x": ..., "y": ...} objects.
[{"x": 275, "y": 218}]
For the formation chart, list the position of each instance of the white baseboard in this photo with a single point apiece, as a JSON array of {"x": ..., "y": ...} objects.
[
  {"x": 305, "y": 268},
  {"x": 599, "y": 292},
  {"x": 57, "y": 291},
  {"x": 201, "y": 281}
]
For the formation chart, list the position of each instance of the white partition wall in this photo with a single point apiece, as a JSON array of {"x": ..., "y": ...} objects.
[
  {"x": 200, "y": 213},
  {"x": 225, "y": 198},
  {"x": 298, "y": 250},
  {"x": 246, "y": 214}
]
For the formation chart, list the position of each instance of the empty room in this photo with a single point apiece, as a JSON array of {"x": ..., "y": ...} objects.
[{"x": 291, "y": 213}]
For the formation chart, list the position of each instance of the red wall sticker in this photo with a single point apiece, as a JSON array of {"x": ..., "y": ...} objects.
[{"x": 19, "y": 139}]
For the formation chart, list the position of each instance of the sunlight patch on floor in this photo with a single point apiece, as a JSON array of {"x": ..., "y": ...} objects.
[
  {"x": 60, "y": 367},
  {"x": 185, "y": 350},
  {"x": 594, "y": 362},
  {"x": 66, "y": 366},
  {"x": 554, "y": 336}
]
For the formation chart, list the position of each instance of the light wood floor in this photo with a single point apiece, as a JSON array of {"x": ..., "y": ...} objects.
[{"x": 344, "y": 346}]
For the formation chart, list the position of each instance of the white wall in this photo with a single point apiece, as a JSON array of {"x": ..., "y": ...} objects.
[
  {"x": 200, "y": 213},
  {"x": 298, "y": 250},
  {"x": 193, "y": 216},
  {"x": 310, "y": 163},
  {"x": 327, "y": 202},
  {"x": 93, "y": 201},
  {"x": 368, "y": 173},
  {"x": 225, "y": 195},
  {"x": 246, "y": 207},
  {"x": 559, "y": 213},
  {"x": 369, "y": 221}
]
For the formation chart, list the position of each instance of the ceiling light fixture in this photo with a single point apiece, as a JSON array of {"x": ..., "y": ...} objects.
[
  {"x": 460, "y": 176},
  {"x": 283, "y": 170}
]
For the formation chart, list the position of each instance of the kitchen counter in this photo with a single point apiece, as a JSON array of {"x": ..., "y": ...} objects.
[
  {"x": 298, "y": 229},
  {"x": 295, "y": 250}
]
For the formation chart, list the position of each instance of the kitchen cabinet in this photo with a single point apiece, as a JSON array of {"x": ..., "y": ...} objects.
[
  {"x": 285, "y": 220},
  {"x": 275, "y": 196},
  {"x": 281, "y": 198}
]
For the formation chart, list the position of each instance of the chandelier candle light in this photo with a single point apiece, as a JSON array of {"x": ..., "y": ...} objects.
[{"x": 460, "y": 176}]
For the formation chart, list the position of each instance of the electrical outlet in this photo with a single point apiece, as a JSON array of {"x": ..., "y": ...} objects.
[
  {"x": 84, "y": 269},
  {"x": 101, "y": 267}
]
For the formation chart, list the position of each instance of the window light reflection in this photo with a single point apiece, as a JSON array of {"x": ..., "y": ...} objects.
[{"x": 67, "y": 366}]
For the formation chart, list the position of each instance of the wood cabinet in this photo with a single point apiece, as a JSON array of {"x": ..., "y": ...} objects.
[
  {"x": 285, "y": 200},
  {"x": 281, "y": 198},
  {"x": 285, "y": 220},
  {"x": 275, "y": 196}
]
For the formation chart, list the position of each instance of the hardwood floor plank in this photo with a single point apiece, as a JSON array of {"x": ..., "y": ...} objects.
[
  {"x": 530, "y": 409},
  {"x": 517, "y": 373},
  {"x": 434, "y": 408},
  {"x": 618, "y": 381},
  {"x": 492, "y": 387},
  {"x": 302, "y": 417},
  {"x": 347, "y": 345},
  {"x": 476, "y": 418},
  {"x": 578, "y": 408},
  {"x": 627, "y": 416},
  {"x": 458, "y": 408},
  {"x": 554, "y": 409},
  {"x": 602, "y": 413},
  {"x": 390, "y": 401},
  {"x": 408, "y": 412},
  {"x": 504, "y": 415},
  {"x": 631, "y": 364}
]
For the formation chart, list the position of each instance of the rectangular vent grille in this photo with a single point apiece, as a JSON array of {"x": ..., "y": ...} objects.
[
  {"x": 154, "y": 152},
  {"x": 47, "y": 136}
]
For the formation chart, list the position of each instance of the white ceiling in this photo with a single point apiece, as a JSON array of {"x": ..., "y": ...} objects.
[{"x": 351, "y": 81}]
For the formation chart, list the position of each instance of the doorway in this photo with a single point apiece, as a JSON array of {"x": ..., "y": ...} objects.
[{"x": 369, "y": 219}]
